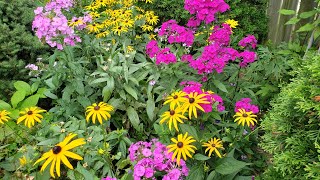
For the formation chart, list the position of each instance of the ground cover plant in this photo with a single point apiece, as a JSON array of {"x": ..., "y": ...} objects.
[{"x": 126, "y": 95}]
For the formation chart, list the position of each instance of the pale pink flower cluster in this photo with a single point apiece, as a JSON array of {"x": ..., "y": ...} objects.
[
  {"x": 152, "y": 157},
  {"x": 245, "y": 103},
  {"x": 176, "y": 33},
  {"x": 51, "y": 25}
]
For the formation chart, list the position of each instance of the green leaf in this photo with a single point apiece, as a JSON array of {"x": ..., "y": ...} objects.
[
  {"x": 293, "y": 20},
  {"x": 316, "y": 32},
  {"x": 47, "y": 142},
  {"x": 50, "y": 95},
  {"x": 34, "y": 87},
  {"x": 17, "y": 97},
  {"x": 150, "y": 108},
  {"x": 4, "y": 105},
  {"x": 22, "y": 86},
  {"x": 212, "y": 175},
  {"x": 196, "y": 172},
  {"x": 306, "y": 27},
  {"x": 99, "y": 80},
  {"x": 86, "y": 174},
  {"x": 133, "y": 117},
  {"x": 108, "y": 89},
  {"x": 229, "y": 165},
  {"x": 287, "y": 12},
  {"x": 308, "y": 14},
  {"x": 190, "y": 129},
  {"x": 30, "y": 101},
  {"x": 219, "y": 85},
  {"x": 131, "y": 91},
  {"x": 201, "y": 157}
]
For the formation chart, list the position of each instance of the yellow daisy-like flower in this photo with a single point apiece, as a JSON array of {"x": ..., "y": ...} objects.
[
  {"x": 4, "y": 116},
  {"x": 182, "y": 147},
  {"x": 193, "y": 103},
  {"x": 245, "y": 117},
  {"x": 30, "y": 115},
  {"x": 146, "y": 28},
  {"x": 232, "y": 23},
  {"x": 127, "y": 23},
  {"x": 94, "y": 28},
  {"x": 103, "y": 34},
  {"x": 173, "y": 116},
  {"x": 98, "y": 111},
  {"x": 176, "y": 98},
  {"x": 129, "y": 49},
  {"x": 152, "y": 36},
  {"x": 119, "y": 29},
  {"x": 213, "y": 145},
  {"x": 59, "y": 153},
  {"x": 23, "y": 161}
]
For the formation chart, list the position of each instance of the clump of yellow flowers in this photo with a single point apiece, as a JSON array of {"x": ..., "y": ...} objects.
[{"x": 118, "y": 17}]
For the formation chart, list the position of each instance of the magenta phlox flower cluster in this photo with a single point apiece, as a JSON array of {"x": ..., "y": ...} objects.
[
  {"x": 221, "y": 35},
  {"x": 204, "y": 10},
  {"x": 247, "y": 41},
  {"x": 162, "y": 55},
  {"x": 192, "y": 86},
  {"x": 109, "y": 178},
  {"x": 176, "y": 33},
  {"x": 247, "y": 57},
  {"x": 152, "y": 157},
  {"x": 245, "y": 103},
  {"x": 51, "y": 25}
]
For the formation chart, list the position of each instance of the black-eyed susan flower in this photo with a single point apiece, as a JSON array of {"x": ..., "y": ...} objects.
[
  {"x": 99, "y": 111},
  {"x": 213, "y": 145},
  {"x": 59, "y": 153},
  {"x": 232, "y": 23},
  {"x": 23, "y": 161},
  {"x": 4, "y": 116},
  {"x": 173, "y": 116},
  {"x": 242, "y": 116},
  {"x": 146, "y": 28},
  {"x": 192, "y": 104},
  {"x": 182, "y": 147},
  {"x": 119, "y": 29},
  {"x": 30, "y": 115},
  {"x": 176, "y": 98}
]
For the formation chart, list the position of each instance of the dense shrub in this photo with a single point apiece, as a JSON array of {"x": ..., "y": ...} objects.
[
  {"x": 292, "y": 125},
  {"x": 17, "y": 43}
]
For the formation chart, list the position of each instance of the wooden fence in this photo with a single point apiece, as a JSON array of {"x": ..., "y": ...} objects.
[{"x": 278, "y": 31}]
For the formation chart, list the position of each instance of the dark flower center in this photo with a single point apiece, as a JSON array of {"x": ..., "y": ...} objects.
[
  {"x": 180, "y": 144},
  {"x": 245, "y": 115},
  {"x": 213, "y": 145},
  {"x": 172, "y": 112},
  {"x": 56, "y": 149},
  {"x": 191, "y": 100},
  {"x": 175, "y": 97},
  {"x": 29, "y": 112},
  {"x": 96, "y": 108}
]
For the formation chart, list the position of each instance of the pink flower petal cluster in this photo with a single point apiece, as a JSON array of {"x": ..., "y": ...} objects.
[
  {"x": 204, "y": 10},
  {"x": 109, "y": 178},
  {"x": 153, "y": 157},
  {"x": 176, "y": 33},
  {"x": 245, "y": 103},
  {"x": 247, "y": 41},
  {"x": 162, "y": 55},
  {"x": 247, "y": 57},
  {"x": 221, "y": 35},
  {"x": 51, "y": 25},
  {"x": 192, "y": 86}
]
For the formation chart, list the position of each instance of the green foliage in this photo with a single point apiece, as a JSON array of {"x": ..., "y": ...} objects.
[
  {"x": 292, "y": 126},
  {"x": 17, "y": 43}
]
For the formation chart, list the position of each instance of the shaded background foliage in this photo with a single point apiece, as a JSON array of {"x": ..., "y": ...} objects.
[{"x": 17, "y": 43}]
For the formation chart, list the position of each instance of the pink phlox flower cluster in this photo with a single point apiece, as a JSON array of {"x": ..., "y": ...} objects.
[
  {"x": 187, "y": 58},
  {"x": 191, "y": 86},
  {"x": 153, "y": 157},
  {"x": 221, "y": 35},
  {"x": 176, "y": 33},
  {"x": 32, "y": 67},
  {"x": 162, "y": 55},
  {"x": 247, "y": 41},
  {"x": 109, "y": 178},
  {"x": 217, "y": 98},
  {"x": 50, "y": 24},
  {"x": 204, "y": 10},
  {"x": 245, "y": 103},
  {"x": 247, "y": 57}
]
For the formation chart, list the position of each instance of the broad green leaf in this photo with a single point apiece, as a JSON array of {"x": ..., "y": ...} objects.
[
  {"x": 229, "y": 165},
  {"x": 108, "y": 89},
  {"x": 212, "y": 175},
  {"x": 131, "y": 91},
  {"x": 50, "y": 95},
  {"x": 34, "y": 87},
  {"x": 293, "y": 20},
  {"x": 99, "y": 80},
  {"x": 201, "y": 157},
  {"x": 287, "y": 12},
  {"x": 150, "y": 108},
  {"x": 316, "y": 33},
  {"x": 140, "y": 57},
  {"x": 4, "y": 105},
  {"x": 196, "y": 172},
  {"x": 47, "y": 142},
  {"x": 306, "y": 27},
  {"x": 190, "y": 129},
  {"x": 308, "y": 14},
  {"x": 30, "y": 101},
  {"x": 219, "y": 85},
  {"x": 133, "y": 117},
  {"x": 17, "y": 97},
  {"x": 22, "y": 86},
  {"x": 86, "y": 174}
]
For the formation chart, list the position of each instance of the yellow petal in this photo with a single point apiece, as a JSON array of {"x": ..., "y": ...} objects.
[
  {"x": 74, "y": 143},
  {"x": 66, "y": 161},
  {"x": 72, "y": 155},
  {"x": 58, "y": 165}
]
